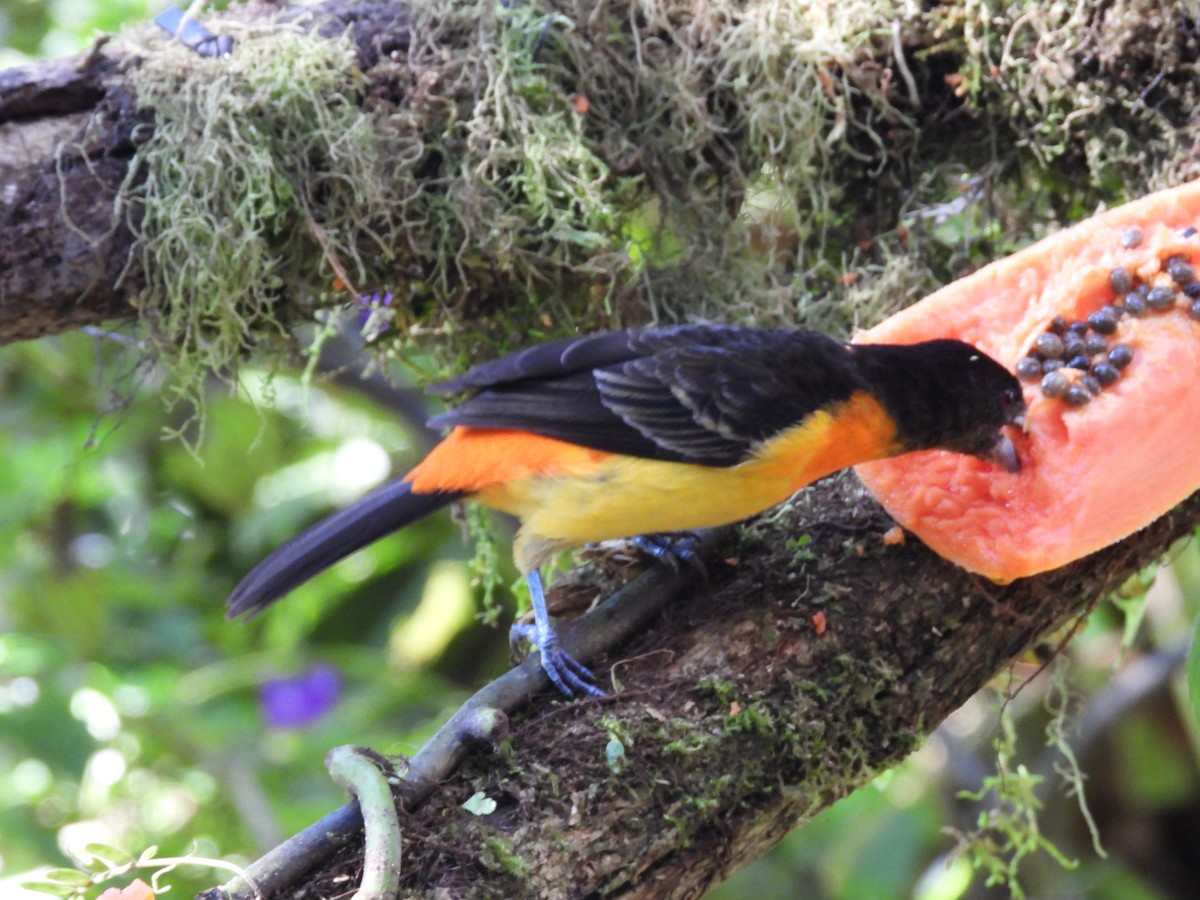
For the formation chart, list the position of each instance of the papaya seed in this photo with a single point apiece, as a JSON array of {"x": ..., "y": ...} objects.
[
  {"x": 1076, "y": 395},
  {"x": 1181, "y": 273},
  {"x": 1160, "y": 299},
  {"x": 1055, "y": 384},
  {"x": 1029, "y": 368},
  {"x": 1120, "y": 281},
  {"x": 1103, "y": 320},
  {"x": 1105, "y": 373},
  {"x": 1049, "y": 345},
  {"x": 1120, "y": 355}
]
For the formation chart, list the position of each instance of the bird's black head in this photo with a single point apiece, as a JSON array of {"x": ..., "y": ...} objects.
[{"x": 947, "y": 395}]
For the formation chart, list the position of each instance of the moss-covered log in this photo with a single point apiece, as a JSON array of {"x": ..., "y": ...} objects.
[
  {"x": 807, "y": 666},
  {"x": 507, "y": 168}
]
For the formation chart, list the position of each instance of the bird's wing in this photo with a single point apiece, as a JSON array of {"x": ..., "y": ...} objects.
[{"x": 699, "y": 394}]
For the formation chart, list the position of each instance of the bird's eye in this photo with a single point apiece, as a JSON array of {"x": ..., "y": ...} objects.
[{"x": 1009, "y": 398}]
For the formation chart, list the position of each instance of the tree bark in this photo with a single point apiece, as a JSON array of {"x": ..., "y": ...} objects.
[
  {"x": 64, "y": 152},
  {"x": 743, "y": 710},
  {"x": 69, "y": 130}
]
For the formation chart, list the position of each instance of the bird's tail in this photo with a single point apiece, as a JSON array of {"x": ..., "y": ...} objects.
[{"x": 381, "y": 512}]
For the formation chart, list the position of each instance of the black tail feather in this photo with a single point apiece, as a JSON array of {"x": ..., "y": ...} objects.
[{"x": 312, "y": 551}]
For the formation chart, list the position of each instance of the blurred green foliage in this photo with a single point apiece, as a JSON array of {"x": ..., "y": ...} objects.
[
  {"x": 49, "y": 28},
  {"x": 128, "y": 706}
]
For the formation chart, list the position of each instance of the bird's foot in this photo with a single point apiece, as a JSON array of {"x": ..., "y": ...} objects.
[
  {"x": 672, "y": 549},
  {"x": 568, "y": 674}
]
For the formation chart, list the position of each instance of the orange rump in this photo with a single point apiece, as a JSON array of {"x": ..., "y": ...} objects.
[{"x": 470, "y": 459}]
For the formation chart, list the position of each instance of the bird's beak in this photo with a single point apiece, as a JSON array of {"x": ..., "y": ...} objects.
[{"x": 1004, "y": 452}]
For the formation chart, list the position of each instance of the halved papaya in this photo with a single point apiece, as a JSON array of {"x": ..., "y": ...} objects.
[{"x": 1097, "y": 463}]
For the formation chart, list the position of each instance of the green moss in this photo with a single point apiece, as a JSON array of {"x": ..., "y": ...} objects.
[
  {"x": 253, "y": 165},
  {"x": 522, "y": 174},
  {"x": 1007, "y": 831},
  {"x": 498, "y": 854}
]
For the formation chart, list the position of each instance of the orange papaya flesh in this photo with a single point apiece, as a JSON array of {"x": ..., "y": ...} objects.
[{"x": 1090, "y": 474}]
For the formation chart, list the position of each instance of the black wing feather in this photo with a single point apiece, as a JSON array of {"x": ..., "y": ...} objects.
[{"x": 689, "y": 393}]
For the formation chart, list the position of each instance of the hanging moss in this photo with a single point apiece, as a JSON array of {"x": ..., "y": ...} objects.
[{"x": 524, "y": 171}]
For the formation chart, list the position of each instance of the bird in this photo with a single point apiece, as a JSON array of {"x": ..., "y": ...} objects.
[{"x": 652, "y": 430}]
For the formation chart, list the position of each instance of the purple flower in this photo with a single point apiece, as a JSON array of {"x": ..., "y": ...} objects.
[
  {"x": 368, "y": 306},
  {"x": 300, "y": 700}
]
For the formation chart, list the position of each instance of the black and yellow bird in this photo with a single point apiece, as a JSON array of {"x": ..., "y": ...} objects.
[{"x": 655, "y": 430}]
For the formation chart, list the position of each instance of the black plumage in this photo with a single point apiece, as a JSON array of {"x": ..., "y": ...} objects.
[{"x": 704, "y": 394}]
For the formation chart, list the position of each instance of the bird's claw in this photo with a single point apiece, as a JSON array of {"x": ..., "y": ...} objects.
[
  {"x": 570, "y": 676},
  {"x": 672, "y": 549}
]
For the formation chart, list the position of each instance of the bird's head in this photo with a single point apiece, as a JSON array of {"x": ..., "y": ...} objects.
[{"x": 946, "y": 394}]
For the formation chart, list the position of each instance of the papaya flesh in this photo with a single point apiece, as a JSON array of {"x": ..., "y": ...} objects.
[{"x": 1090, "y": 474}]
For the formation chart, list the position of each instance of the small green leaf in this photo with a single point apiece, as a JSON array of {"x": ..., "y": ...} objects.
[
  {"x": 72, "y": 877},
  {"x": 147, "y": 856},
  {"x": 480, "y": 804},
  {"x": 54, "y": 888},
  {"x": 113, "y": 857},
  {"x": 1193, "y": 670}
]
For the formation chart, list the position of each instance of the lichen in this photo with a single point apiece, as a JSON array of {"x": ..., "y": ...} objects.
[
  {"x": 519, "y": 173},
  {"x": 259, "y": 173}
]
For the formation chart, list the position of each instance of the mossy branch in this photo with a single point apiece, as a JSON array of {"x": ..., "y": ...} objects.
[
  {"x": 739, "y": 717},
  {"x": 534, "y": 168}
]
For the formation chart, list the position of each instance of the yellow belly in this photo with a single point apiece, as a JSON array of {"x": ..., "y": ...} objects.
[{"x": 625, "y": 496}]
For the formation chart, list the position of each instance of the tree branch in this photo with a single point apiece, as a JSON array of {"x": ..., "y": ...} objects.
[
  {"x": 68, "y": 133},
  {"x": 740, "y": 718}
]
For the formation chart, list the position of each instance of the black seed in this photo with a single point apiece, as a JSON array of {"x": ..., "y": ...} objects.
[
  {"x": 1120, "y": 355},
  {"x": 1080, "y": 362},
  {"x": 1058, "y": 325},
  {"x": 1104, "y": 320},
  {"x": 1160, "y": 299},
  {"x": 1194, "y": 310},
  {"x": 1078, "y": 328},
  {"x": 1105, "y": 373},
  {"x": 1049, "y": 345},
  {"x": 1131, "y": 239},
  {"x": 1072, "y": 345},
  {"x": 1181, "y": 273},
  {"x": 1055, "y": 384},
  {"x": 1192, "y": 290},
  {"x": 1095, "y": 343},
  {"x": 1076, "y": 395},
  {"x": 1135, "y": 304},
  {"x": 1029, "y": 369},
  {"x": 1053, "y": 365},
  {"x": 1091, "y": 384},
  {"x": 1188, "y": 232},
  {"x": 1120, "y": 281}
]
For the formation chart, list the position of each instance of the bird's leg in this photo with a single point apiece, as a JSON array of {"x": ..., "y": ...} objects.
[{"x": 568, "y": 675}]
